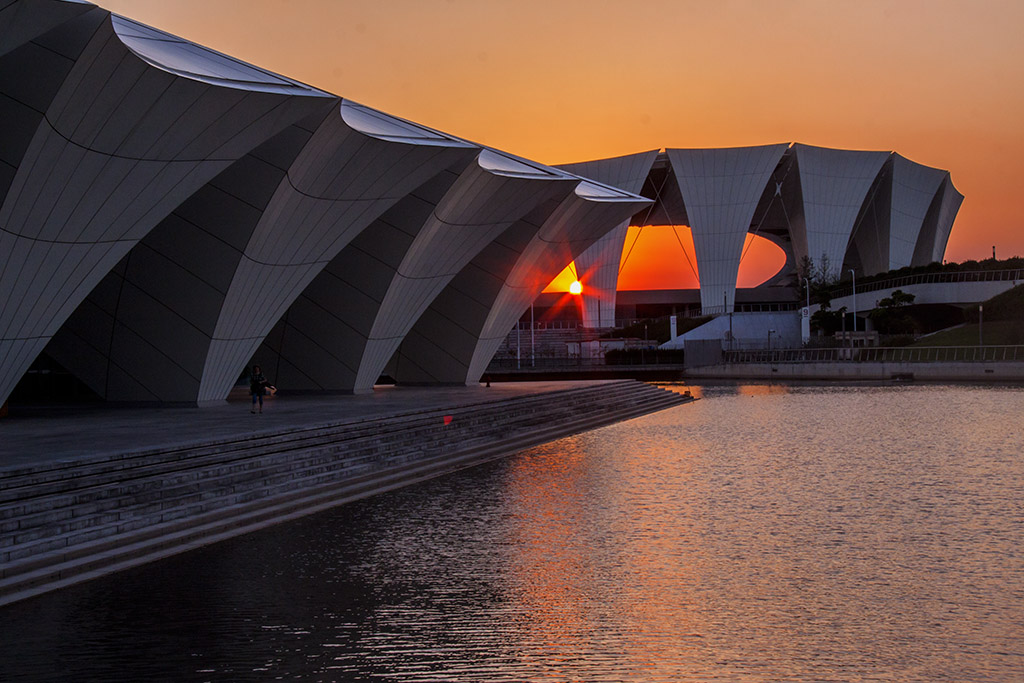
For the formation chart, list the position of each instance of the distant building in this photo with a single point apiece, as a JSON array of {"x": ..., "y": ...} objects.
[{"x": 867, "y": 211}]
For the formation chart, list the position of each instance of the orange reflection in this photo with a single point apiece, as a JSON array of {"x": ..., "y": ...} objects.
[
  {"x": 564, "y": 583},
  {"x": 762, "y": 389}
]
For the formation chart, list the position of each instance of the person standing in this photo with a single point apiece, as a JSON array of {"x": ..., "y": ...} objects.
[{"x": 258, "y": 386}]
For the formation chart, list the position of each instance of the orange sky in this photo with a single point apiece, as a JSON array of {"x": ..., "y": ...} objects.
[
  {"x": 655, "y": 258},
  {"x": 940, "y": 81}
]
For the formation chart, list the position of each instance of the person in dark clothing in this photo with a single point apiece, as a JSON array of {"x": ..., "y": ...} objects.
[{"x": 258, "y": 386}]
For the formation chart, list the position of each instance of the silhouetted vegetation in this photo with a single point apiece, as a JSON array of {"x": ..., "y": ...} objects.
[
  {"x": 1015, "y": 262},
  {"x": 891, "y": 315}
]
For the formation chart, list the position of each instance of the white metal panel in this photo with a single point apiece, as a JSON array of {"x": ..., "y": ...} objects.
[
  {"x": 347, "y": 294},
  {"x": 721, "y": 189},
  {"x": 570, "y": 231},
  {"x": 455, "y": 337},
  {"x": 339, "y": 184},
  {"x": 913, "y": 188},
  {"x": 82, "y": 197},
  {"x": 834, "y": 184},
  {"x": 478, "y": 209},
  {"x": 598, "y": 266},
  {"x": 931, "y": 243}
]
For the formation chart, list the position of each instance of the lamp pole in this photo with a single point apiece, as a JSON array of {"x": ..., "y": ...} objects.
[
  {"x": 644, "y": 348},
  {"x": 854, "y": 275},
  {"x": 533, "y": 355},
  {"x": 980, "y": 342},
  {"x": 519, "y": 347}
]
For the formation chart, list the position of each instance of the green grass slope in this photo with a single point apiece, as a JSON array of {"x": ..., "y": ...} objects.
[{"x": 1002, "y": 323}]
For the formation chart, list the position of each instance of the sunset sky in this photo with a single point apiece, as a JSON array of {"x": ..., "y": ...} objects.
[{"x": 941, "y": 82}]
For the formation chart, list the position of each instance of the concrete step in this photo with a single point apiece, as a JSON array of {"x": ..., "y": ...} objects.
[
  {"x": 72, "y": 474},
  {"x": 174, "y": 528},
  {"x": 229, "y": 476},
  {"x": 43, "y": 499},
  {"x": 296, "y": 484}
]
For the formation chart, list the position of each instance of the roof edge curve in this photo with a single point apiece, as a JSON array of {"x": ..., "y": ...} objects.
[
  {"x": 190, "y": 60},
  {"x": 511, "y": 166},
  {"x": 377, "y": 124}
]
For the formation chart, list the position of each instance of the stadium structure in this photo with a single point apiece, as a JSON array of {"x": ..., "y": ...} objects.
[
  {"x": 866, "y": 211},
  {"x": 170, "y": 214}
]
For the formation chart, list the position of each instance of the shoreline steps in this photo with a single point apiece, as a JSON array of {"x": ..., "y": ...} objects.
[{"x": 63, "y": 523}]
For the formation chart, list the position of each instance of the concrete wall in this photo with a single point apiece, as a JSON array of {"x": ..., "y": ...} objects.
[
  {"x": 749, "y": 331},
  {"x": 965, "y": 372},
  {"x": 929, "y": 293}
]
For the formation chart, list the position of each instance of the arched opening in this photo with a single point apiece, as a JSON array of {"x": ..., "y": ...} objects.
[{"x": 662, "y": 257}]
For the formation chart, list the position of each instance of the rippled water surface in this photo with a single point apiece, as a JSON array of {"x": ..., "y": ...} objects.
[{"x": 764, "y": 533}]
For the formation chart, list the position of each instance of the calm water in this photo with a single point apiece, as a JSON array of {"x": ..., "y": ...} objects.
[{"x": 765, "y": 533}]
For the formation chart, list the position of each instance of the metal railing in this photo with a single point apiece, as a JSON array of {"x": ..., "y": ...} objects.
[
  {"x": 549, "y": 325},
  {"x": 880, "y": 354},
  {"x": 526, "y": 364},
  {"x": 774, "y": 307},
  {"x": 929, "y": 278}
]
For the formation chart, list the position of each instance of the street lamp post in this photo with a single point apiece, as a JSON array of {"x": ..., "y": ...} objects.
[
  {"x": 980, "y": 323},
  {"x": 725, "y": 309},
  {"x": 519, "y": 346},
  {"x": 643, "y": 349},
  {"x": 854, "y": 275}
]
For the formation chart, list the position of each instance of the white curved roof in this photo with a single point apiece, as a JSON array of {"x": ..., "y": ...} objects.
[
  {"x": 721, "y": 189},
  {"x": 913, "y": 189},
  {"x": 835, "y": 184},
  {"x": 189, "y": 60},
  {"x": 393, "y": 129},
  {"x": 455, "y": 338},
  {"x": 598, "y": 265}
]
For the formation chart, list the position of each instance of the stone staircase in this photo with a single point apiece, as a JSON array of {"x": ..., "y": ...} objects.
[{"x": 66, "y": 522}]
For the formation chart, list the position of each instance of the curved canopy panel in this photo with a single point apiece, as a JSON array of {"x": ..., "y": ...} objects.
[
  {"x": 931, "y": 243},
  {"x": 481, "y": 205},
  {"x": 835, "y": 184},
  {"x": 24, "y": 20},
  {"x": 721, "y": 189},
  {"x": 143, "y": 334},
  {"x": 200, "y": 292},
  {"x": 341, "y": 333},
  {"x": 318, "y": 343},
  {"x": 913, "y": 189},
  {"x": 188, "y": 60},
  {"x": 377, "y": 124},
  {"x": 120, "y": 146},
  {"x": 598, "y": 266},
  {"x": 339, "y": 184},
  {"x": 456, "y": 337}
]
